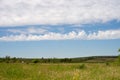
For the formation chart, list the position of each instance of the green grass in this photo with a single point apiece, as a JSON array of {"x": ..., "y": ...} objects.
[{"x": 61, "y": 71}]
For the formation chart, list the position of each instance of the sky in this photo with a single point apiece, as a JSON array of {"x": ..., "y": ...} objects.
[{"x": 64, "y": 28}]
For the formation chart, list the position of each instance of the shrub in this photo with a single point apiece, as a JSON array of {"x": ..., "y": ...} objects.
[
  {"x": 107, "y": 63},
  {"x": 82, "y": 66},
  {"x": 35, "y": 61}
]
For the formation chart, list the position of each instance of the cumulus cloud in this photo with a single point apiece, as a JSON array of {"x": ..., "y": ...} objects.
[
  {"x": 81, "y": 35},
  {"x": 52, "y": 12},
  {"x": 109, "y": 34}
]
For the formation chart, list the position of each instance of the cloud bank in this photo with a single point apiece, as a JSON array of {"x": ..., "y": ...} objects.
[
  {"x": 81, "y": 35},
  {"x": 54, "y": 12}
]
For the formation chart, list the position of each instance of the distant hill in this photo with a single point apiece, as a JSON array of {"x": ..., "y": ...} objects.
[{"x": 94, "y": 59}]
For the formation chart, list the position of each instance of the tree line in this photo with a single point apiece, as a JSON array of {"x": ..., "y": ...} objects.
[{"x": 8, "y": 59}]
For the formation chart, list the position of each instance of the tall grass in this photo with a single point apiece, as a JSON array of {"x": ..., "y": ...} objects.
[{"x": 61, "y": 71}]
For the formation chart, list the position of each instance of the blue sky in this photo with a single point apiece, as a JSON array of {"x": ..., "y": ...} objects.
[
  {"x": 66, "y": 48},
  {"x": 68, "y": 28}
]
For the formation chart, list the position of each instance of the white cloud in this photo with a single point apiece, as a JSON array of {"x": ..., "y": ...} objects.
[
  {"x": 34, "y": 12},
  {"x": 109, "y": 34},
  {"x": 81, "y": 35},
  {"x": 30, "y": 30}
]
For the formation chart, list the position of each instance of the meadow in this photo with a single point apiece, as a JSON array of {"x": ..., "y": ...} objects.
[{"x": 59, "y": 71}]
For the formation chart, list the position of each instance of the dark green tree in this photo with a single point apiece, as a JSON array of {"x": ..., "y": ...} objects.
[
  {"x": 119, "y": 50},
  {"x": 7, "y": 59},
  {"x": 119, "y": 55},
  {"x": 118, "y": 59},
  {"x": 14, "y": 59}
]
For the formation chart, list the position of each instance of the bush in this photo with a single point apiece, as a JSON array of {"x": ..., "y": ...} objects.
[
  {"x": 107, "y": 63},
  {"x": 35, "y": 61},
  {"x": 82, "y": 66}
]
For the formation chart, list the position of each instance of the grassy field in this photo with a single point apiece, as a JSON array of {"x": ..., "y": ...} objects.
[{"x": 59, "y": 71}]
